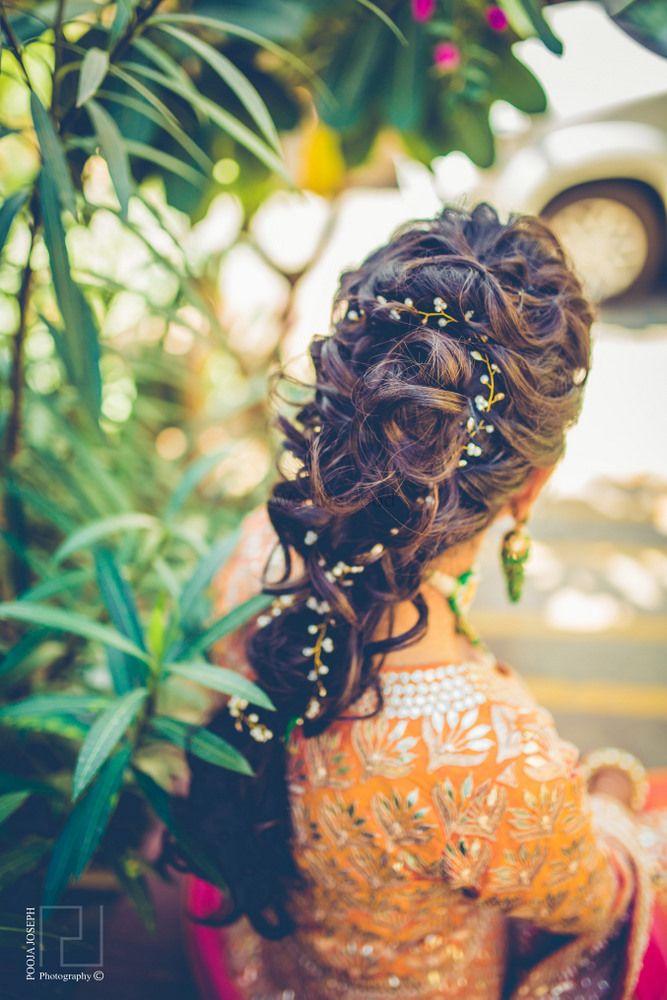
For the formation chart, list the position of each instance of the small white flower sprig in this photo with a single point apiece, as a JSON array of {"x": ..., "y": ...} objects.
[
  {"x": 323, "y": 643},
  {"x": 237, "y": 709},
  {"x": 475, "y": 424},
  {"x": 439, "y": 313}
]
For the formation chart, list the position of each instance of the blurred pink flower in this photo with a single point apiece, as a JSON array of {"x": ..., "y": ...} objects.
[
  {"x": 447, "y": 56},
  {"x": 423, "y": 10},
  {"x": 496, "y": 18}
]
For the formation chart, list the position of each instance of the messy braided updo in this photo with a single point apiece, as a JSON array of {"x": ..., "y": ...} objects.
[{"x": 386, "y": 484}]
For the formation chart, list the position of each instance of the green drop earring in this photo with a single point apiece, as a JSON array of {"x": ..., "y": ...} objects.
[{"x": 514, "y": 556}]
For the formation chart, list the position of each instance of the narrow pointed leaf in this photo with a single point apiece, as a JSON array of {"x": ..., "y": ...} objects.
[
  {"x": 80, "y": 331},
  {"x": 126, "y": 671},
  {"x": 10, "y": 802},
  {"x": 10, "y": 209},
  {"x": 224, "y": 626},
  {"x": 160, "y": 803},
  {"x": 68, "y": 621},
  {"x": 113, "y": 149},
  {"x": 122, "y": 17},
  {"x": 20, "y": 860},
  {"x": 224, "y": 680},
  {"x": 201, "y": 742},
  {"x": 533, "y": 10},
  {"x": 83, "y": 831},
  {"x": 104, "y": 735},
  {"x": 52, "y": 704},
  {"x": 237, "y": 82},
  {"x": 92, "y": 533},
  {"x": 227, "y": 122},
  {"x": 207, "y": 568},
  {"x": 53, "y": 154},
  {"x": 175, "y": 131},
  {"x": 57, "y": 584},
  {"x": 166, "y": 161},
  {"x": 239, "y": 31},
  {"x": 94, "y": 68},
  {"x": 386, "y": 20},
  {"x": 15, "y": 656},
  {"x": 192, "y": 476}
]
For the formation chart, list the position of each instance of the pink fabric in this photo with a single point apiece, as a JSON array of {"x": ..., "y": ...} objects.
[
  {"x": 652, "y": 983},
  {"x": 204, "y": 944}
]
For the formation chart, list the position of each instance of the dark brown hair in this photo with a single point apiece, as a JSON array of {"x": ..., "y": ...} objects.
[{"x": 379, "y": 447}]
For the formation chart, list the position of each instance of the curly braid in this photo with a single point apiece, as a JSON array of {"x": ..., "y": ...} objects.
[{"x": 382, "y": 488}]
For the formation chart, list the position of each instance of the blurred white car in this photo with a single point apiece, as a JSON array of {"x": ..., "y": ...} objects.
[
  {"x": 602, "y": 184},
  {"x": 596, "y": 164}
]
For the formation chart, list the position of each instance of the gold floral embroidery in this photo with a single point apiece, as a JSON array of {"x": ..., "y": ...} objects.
[
  {"x": 538, "y": 817},
  {"x": 383, "y": 749},
  {"x": 467, "y": 811},
  {"x": 520, "y": 868},
  {"x": 454, "y": 738},
  {"x": 402, "y": 818},
  {"x": 326, "y": 762}
]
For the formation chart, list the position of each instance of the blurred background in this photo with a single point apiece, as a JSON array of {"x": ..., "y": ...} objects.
[{"x": 182, "y": 184}]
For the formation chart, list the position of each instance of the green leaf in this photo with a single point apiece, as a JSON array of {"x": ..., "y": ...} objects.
[
  {"x": 356, "y": 75},
  {"x": 175, "y": 131},
  {"x": 384, "y": 17},
  {"x": 224, "y": 680},
  {"x": 514, "y": 82},
  {"x": 18, "y": 861},
  {"x": 113, "y": 149},
  {"x": 240, "y": 31},
  {"x": 160, "y": 802},
  {"x": 94, "y": 68},
  {"x": 81, "y": 356},
  {"x": 533, "y": 10},
  {"x": 15, "y": 656},
  {"x": 10, "y": 802},
  {"x": 122, "y": 17},
  {"x": 104, "y": 735},
  {"x": 191, "y": 478},
  {"x": 57, "y": 584},
  {"x": 126, "y": 671},
  {"x": 148, "y": 95},
  {"x": 206, "y": 569},
  {"x": 68, "y": 621},
  {"x": 237, "y": 82},
  {"x": 223, "y": 119},
  {"x": 53, "y": 154},
  {"x": 83, "y": 831},
  {"x": 200, "y": 742},
  {"x": 10, "y": 209},
  {"x": 136, "y": 889},
  {"x": 94, "y": 532},
  {"x": 229, "y": 623},
  {"x": 47, "y": 508},
  {"x": 46, "y": 704},
  {"x": 166, "y": 161},
  {"x": 52, "y": 713},
  {"x": 404, "y": 95}
]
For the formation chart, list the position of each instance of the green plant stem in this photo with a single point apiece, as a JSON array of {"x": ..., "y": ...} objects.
[
  {"x": 141, "y": 16},
  {"x": 13, "y": 432},
  {"x": 15, "y": 45},
  {"x": 59, "y": 39}
]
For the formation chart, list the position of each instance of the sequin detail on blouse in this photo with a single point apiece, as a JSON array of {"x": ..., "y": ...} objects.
[{"x": 445, "y": 690}]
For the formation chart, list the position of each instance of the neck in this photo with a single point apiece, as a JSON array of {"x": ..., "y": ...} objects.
[{"x": 442, "y": 641}]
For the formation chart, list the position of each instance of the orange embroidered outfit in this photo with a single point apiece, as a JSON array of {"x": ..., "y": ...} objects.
[{"x": 450, "y": 850}]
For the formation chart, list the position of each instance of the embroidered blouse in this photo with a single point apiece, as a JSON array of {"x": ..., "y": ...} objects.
[{"x": 449, "y": 847}]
